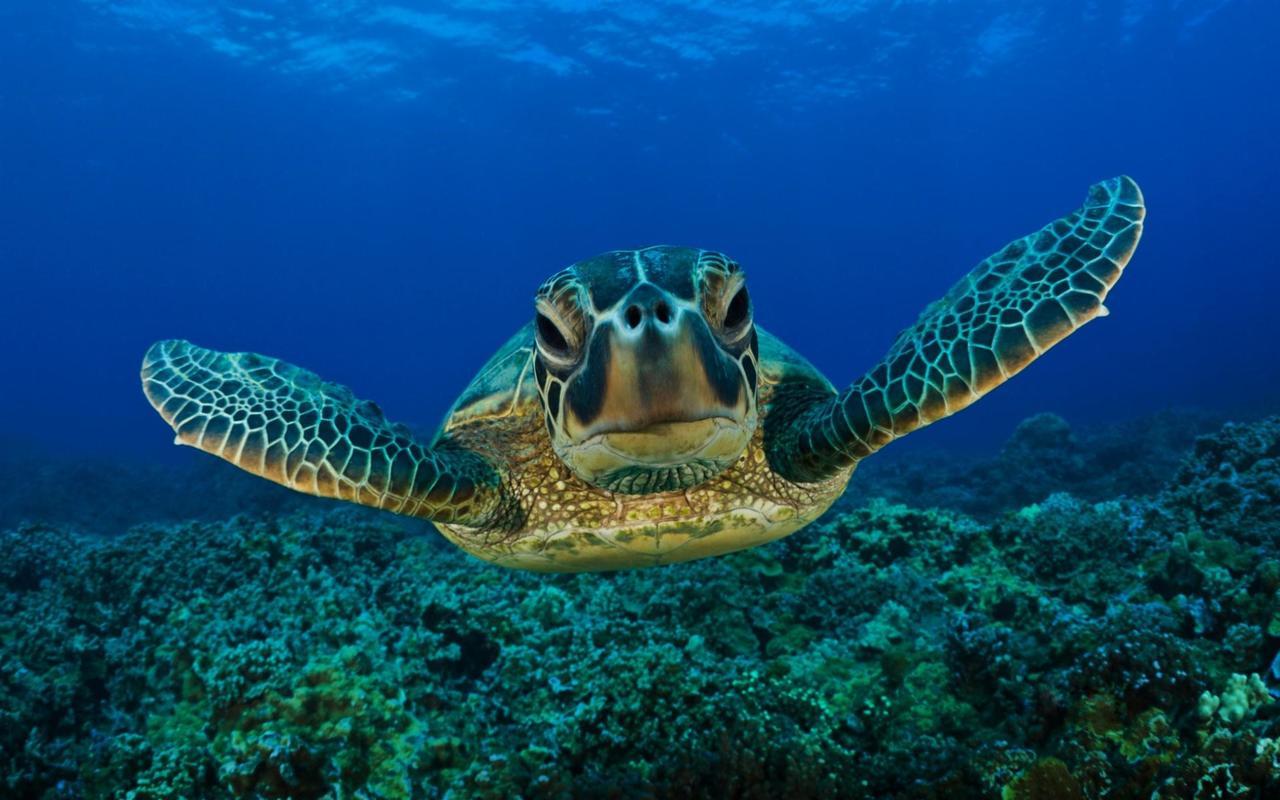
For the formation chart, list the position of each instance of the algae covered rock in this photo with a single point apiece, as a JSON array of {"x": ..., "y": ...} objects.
[
  {"x": 1044, "y": 455},
  {"x": 1231, "y": 482},
  {"x": 1069, "y": 647}
]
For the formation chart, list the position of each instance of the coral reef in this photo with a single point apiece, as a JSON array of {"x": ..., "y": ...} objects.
[
  {"x": 102, "y": 496},
  {"x": 1044, "y": 456},
  {"x": 1078, "y": 645}
]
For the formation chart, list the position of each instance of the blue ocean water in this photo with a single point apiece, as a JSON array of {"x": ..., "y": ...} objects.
[
  {"x": 374, "y": 190},
  {"x": 1069, "y": 591}
]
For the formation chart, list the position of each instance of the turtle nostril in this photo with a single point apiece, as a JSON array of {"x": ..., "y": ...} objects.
[
  {"x": 633, "y": 317},
  {"x": 662, "y": 311}
]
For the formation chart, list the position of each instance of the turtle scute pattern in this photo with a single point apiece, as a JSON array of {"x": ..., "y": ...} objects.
[
  {"x": 999, "y": 318},
  {"x": 286, "y": 424}
]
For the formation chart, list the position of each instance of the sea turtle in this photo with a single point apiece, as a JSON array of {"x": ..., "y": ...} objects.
[{"x": 641, "y": 417}]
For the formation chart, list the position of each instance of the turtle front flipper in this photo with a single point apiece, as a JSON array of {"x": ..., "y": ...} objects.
[
  {"x": 285, "y": 424},
  {"x": 998, "y": 319}
]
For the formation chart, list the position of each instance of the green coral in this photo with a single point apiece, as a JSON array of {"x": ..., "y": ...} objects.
[
  {"x": 1064, "y": 650},
  {"x": 1239, "y": 701}
]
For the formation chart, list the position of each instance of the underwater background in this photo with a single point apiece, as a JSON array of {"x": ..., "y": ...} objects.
[{"x": 1068, "y": 591}]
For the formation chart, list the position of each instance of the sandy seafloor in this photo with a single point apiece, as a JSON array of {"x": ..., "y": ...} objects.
[{"x": 1084, "y": 614}]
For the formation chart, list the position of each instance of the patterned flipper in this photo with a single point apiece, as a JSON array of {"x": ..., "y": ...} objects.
[
  {"x": 1003, "y": 315},
  {"x": 286, "y": 424}
]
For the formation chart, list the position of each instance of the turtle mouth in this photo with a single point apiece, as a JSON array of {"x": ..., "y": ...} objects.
[
  {"x": 658, "y": 456},
  {"x": 670, "y": 442},
  {"x": 648, "y": 480}
]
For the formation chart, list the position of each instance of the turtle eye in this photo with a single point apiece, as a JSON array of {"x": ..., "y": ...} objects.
[
  {"x": 551, "y": 338},
  {"x": 738, "y": 310}
]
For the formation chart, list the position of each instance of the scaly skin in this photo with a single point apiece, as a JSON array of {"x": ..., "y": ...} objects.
[
  {"x": 495, "y": 485},
  {"x": 571, "y": 526},
  {"x": 1007, "y": 312}
]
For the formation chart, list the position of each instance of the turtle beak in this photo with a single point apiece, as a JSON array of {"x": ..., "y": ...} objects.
[{"x": 661, "y": 381}]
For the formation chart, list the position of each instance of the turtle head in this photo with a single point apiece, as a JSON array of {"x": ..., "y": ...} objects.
[{"x": 646, "y": 364}]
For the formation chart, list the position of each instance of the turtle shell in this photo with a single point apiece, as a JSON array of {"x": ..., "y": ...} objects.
[{"x": 499, "y": 387}]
